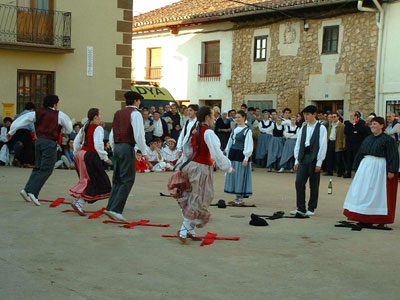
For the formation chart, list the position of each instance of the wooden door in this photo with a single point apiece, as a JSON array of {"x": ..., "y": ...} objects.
[{"x": 35, "y": 21}]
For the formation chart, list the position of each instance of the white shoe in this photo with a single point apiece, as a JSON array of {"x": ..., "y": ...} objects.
[
  {"x": 78, "y": 208},
  {"x": 291, "y": 171},
  {"x": 294, "y": 212},
  {"x": 25, "y": 196},
  {"x": 281, "y": 170},
  {"x": 34, "y": 199},
  {"x": 310, "y": 213},
  {"x": 115, "y": 216}
]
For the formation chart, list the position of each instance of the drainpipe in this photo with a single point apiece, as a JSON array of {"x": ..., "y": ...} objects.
[{"x": 379, "y": 109}]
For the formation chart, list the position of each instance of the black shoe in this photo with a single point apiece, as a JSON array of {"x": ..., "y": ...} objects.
[
  {"x": 339, "y": 175},
  {"x": 328, "y": 174},
  {"x": 347, "y": 176}
]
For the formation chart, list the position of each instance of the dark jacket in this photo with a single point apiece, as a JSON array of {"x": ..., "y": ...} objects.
[{"x": 355, "y": 134}]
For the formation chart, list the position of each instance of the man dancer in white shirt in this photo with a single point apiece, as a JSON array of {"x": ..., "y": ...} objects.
[{"x": 309, "y": 152}]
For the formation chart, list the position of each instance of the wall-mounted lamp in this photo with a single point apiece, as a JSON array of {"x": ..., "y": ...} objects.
[{"x": 306, "y": 26}]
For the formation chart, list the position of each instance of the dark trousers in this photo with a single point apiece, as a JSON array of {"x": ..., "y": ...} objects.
[
  {"x": 123, "y": 177},
  {"x": 307, "y": 171},
  {"x": 340, "y": 162},
  {"x": 330, "y": 157},
  {"x": 46, "y": 157},
  {"x": 351, "y": 152}
]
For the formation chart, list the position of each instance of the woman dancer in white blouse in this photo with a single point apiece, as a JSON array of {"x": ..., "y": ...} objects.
[
  {"x": 239, "y": 150},
  {"x": 290, "y": 135}
]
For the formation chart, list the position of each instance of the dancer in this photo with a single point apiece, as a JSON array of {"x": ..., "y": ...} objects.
[
  {"x": 275, "y": 146},
  {"x": 89, "y": 155},
  {"x": 239, "y": 150},
  {"x": 48, "y": 123},
  {"x": 287, "y": 158},
  {"x": 127, "y": 131},
  {"x": 266, "y": 127},
  {"x": 309, "y": 152},
  {"x": 188, "y": 126},
  {"x": 195, "y": 202},
  {"x": 371, "y": 198}
]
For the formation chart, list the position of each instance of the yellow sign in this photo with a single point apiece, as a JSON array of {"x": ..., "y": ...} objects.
[
  {"x": 153, "y": 92},
  {"x": 8, "y": 110}
]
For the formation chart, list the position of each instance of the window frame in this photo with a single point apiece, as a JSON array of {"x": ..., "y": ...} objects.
[
  {"x": 325, "y": 41},
  {"x": 260, "y": 38},
  {"x": 21, "y": 98}
]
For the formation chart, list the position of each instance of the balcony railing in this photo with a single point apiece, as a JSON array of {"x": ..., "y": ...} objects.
[
  {"x": 210, "y": 71},
  {"x": 35, "y": 26},
  {"x": 153, "y": 73}
]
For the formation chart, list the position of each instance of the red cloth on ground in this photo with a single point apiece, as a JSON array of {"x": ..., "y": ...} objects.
[{"x": 391, "y": 192}]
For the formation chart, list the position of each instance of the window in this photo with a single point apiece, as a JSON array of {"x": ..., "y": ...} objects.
[
  {"x": 393, "y": 106},
  {"x": 260, "y": 48},
  {"x": 33, "y": 86},
  {"x": 330, "y": 40},
  {"x": 153, "y": 64},
  {"x": 210, "y": 68}
]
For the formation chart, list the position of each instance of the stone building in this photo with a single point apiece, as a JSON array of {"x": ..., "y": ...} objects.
[{"x": 292, "y": 54}]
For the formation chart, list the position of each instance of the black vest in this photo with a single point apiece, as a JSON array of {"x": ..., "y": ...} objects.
[{"x": 314, "y": 145}]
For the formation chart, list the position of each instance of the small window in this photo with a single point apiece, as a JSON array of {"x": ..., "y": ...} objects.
[
  {"x": 330, "y": 40},
  {"x": 260, "y": 48},
  {"x": 153, "y": 64}
]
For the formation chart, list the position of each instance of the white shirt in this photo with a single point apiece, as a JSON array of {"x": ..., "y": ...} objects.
[
  {"x": 138, "y": 131},
  {"x": 332, "y": 136},
  {"x": 248, "y": 142},
  {"x": 214, "y": 145},
  {"x": 158, "y": 128},
  {"x": 169, "y": 155},
  {"x": 3, "y": 136},
  {"x": 30, "y": 118},
  {"x": 183, "y": 138},
  {"x": 98, "y": 137},
  {"x": 267, "y": 123},
  {"x": 288, "y": 135},
  {"x": 393, "y": 130},
  {"x": 322, "y": 142},
  {"x": 286, "y": 122},
  {"x": 152, "y": 155}
]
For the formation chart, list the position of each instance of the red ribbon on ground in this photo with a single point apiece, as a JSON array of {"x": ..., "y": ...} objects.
[
  {"x": 96, "y": 214},
  {"x": 130, "y": 225},
  {"x": 55, "y": 203},
  {"x": 208, "y": 239}
]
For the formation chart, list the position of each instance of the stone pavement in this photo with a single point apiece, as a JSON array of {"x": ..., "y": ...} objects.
[{"x": 45, "y": 254}]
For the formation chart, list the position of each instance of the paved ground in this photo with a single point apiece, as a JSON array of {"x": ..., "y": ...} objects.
[{"x": 45, "y": 254}]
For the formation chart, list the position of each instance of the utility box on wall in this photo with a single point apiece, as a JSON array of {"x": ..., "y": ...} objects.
[{"x": 8, "y": 110}]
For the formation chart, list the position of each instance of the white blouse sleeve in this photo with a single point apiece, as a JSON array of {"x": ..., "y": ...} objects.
[
  {"x": 229, "y": 144},
  {"x": 65, "y": 122},
  {"x": 22, "y": 121},
  {"x": 77, "y": 141},
  {"x": 138, "y": 130},
  {"x": 260, "y": 126},
  {"x": 98, "y": 138},
  {"x": 111, "y": 139},
  {"x": 286, "y": 133},
  {"x": 214, "y": 146},
  {"x": 248, "y": 145}
]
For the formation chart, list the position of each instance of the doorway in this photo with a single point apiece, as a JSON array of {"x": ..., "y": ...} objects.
[{"x": 331, "y": 106}]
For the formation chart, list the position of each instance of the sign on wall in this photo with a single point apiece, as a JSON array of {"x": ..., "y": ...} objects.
[{"x": 89, "y": 61}]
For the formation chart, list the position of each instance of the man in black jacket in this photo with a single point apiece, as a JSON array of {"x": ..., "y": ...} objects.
[{"x": 356, "y": 131}]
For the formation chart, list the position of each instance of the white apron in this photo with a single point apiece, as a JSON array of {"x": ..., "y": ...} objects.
[
  {"x": 5, "y": 155},
  {"x": 367, "y": 193}
]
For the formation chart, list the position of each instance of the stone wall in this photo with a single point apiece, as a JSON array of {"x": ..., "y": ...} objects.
[{"x": 288, "y": 76}]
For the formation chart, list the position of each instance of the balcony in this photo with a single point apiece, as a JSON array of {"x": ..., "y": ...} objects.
[
  {"x": 153, "y": 73},
  {"x": 29, "y": 29},
  {"x": 209, "y": 72}
]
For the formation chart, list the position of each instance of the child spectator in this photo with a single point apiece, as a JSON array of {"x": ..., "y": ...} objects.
[
  {"x": 108, "y": 149},
  {"x": 170, "y": 154},
  {"x": 68, "y": 157},
  {"x": 75, "y": 131},
  {"x": 141, "y": 165},
  {"x": 155, "y": 160}
]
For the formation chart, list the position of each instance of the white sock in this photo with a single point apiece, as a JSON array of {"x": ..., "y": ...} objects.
[{"x": 81, "y": 201}]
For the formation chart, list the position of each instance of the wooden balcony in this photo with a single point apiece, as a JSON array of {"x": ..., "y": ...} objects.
[
  {"x": 153, "y": 73},
  {"x": 29, "y": 29},
  {"x": 209, "y": 71}
]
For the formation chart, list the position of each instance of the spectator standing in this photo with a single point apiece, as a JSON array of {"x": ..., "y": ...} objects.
[
  {"x": 336, "y": 146},
  {"x": 160, "y": 126},
  {"x": 223, "y": 129},
  {"x": 148, "y": 127}
]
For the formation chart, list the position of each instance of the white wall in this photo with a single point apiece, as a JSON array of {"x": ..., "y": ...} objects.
[
  {"x": 180, "y": 56},
  {"x": 390, "y": 90}
]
